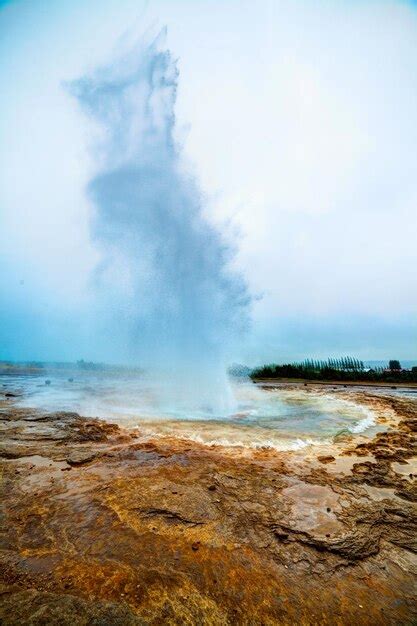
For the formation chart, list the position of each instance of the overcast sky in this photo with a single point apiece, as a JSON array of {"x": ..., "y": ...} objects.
[{"x": 297, "y": 117}]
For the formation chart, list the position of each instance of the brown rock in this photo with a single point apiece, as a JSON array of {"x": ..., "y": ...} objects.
[{"x": 80, "y": 457}]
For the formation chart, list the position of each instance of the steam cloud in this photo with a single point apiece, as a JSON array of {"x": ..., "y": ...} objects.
[{"x": 163, "y": 280}]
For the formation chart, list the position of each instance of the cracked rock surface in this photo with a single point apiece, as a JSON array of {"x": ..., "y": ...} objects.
[{"x": 102, "y": 526}]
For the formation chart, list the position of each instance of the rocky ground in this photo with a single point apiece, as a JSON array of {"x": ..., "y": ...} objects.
[{"x": 100, "y": 526}]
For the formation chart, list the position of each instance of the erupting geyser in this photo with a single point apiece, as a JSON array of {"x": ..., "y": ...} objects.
[{"x": 163, "y": 281}]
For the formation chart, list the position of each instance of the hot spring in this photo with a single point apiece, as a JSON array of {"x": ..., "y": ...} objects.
[
  {"x": 164, "y": 294},
  {"x": 281, "y": 419}
]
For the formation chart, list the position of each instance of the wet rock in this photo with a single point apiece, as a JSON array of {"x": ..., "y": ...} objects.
[
  {"x": 19, "y": 607},
  {"x": 141, "y": 537},
  {"x": 92, "y": 430},
  {"x": 344, "y": 436},
  {"x": 81, "y": 457},
  {"x": 12, "y": 451}
]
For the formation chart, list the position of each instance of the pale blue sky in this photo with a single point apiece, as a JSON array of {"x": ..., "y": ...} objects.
[{"x": 299, "y": 119}]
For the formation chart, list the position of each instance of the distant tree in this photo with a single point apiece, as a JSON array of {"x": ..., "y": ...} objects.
[
  {"x": 394, "y": 365},
  {"x": 344, "y": 369}
]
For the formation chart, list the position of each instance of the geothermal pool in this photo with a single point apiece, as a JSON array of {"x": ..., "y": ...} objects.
[{"x": 282, "y": 419}]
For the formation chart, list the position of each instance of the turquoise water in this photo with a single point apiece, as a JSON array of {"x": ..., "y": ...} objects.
[{"x": 260, "y": 418}]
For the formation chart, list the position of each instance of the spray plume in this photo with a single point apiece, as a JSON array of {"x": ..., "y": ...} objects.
[{"x": 169, "y": 295}]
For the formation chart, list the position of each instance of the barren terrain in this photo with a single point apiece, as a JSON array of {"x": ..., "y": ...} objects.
[{"x": 101, "y": 526}]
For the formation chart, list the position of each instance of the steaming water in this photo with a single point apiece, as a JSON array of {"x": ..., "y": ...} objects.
[{"x": 281, "y": 419}]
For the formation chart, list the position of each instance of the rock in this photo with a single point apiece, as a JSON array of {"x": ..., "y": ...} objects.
[
  {"x": 91, "y": 430},
  {"x": 343, "y": 436},
  {"x": 326, "y": 459},
  {"x": 29, "y": 606},
  {"x": 288, "y": 543},
  {"x": 47, "y": 382},
  {"x": 80, "y": 457},
  {"x": 12, "y": 452}
]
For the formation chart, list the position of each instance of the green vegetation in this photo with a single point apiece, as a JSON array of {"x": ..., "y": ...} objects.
[
  {"x": 394, "y": 365},
  {"x": 345, "y": 369}
]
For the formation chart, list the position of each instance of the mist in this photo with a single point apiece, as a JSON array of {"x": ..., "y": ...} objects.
[{"x": 163, "y": 285}]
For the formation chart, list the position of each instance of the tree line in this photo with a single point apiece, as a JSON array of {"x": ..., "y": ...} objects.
[
  {"x": 347, "y": 363},
  {"x": 341, "y": 369}
]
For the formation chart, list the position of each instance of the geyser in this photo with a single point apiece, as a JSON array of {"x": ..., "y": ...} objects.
[{"x": 164, "y": 283}]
